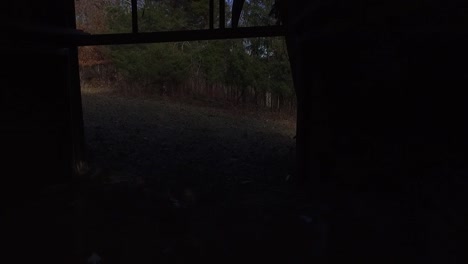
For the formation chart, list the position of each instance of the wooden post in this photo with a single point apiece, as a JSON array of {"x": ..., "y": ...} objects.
[
  {"x": 134, "y": 16},
  {"x": 211, "y": 14},
  {"x": 222, "y": 14}
]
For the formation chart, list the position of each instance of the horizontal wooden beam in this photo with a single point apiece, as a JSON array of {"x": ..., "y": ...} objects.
[
  {"x": 177, "y": 36},
  {"x": 79, "y": 38}
]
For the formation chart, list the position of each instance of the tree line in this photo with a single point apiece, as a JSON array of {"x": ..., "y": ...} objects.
[{"x": 252, "y": 71}]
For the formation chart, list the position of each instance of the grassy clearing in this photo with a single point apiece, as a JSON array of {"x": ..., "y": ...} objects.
[
  {"x": 188, "y": 181},
  {"x": 123, "y": 133}
]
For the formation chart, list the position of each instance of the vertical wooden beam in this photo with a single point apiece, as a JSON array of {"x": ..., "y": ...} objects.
[
  {"x": 211, "y": 14},
  {"x": 75, "y": 137},
  {"x": 222, "y": 14},
  {"x": 134, "y": 16},
  {"x": 76, "y": 105}
]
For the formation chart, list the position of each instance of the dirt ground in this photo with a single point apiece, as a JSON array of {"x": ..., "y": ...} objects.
[
  {"x": 158, "y": 138},
  {"x": 178, "y": 182}
]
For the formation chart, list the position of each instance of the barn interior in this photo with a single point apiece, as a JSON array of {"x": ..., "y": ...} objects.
[{"x": 380, "y": 156}]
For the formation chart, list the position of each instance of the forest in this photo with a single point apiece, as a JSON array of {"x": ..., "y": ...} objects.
[{"x": 251, "y": 72}]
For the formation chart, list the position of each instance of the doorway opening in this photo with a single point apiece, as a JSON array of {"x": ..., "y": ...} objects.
[{"x": 191, "y": 146}]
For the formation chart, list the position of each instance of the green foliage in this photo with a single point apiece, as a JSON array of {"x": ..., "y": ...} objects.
[
  {"x": 256, "y": 13},
  {"x": 260, "y": 64},
  {"x": 153, "y": 63},
  {"x": 161, "y": 16},
  {"x": 212, "y": 60},
  {"x": 119, "y": 19}
]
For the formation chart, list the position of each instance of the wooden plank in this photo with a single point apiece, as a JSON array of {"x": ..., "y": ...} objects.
[
  {"x": 77, "y": 38},
  {"x": 176, "y": 36}
]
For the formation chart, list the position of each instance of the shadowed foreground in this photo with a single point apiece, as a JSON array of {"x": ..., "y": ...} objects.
[
  {"x": 176, "y": 183},
  {"x": 173, "y": 182}
]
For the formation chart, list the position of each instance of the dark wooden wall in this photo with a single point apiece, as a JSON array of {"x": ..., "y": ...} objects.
[
  {"x": 382, "y": 123},
  {"x": 39, "y": 96}
]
